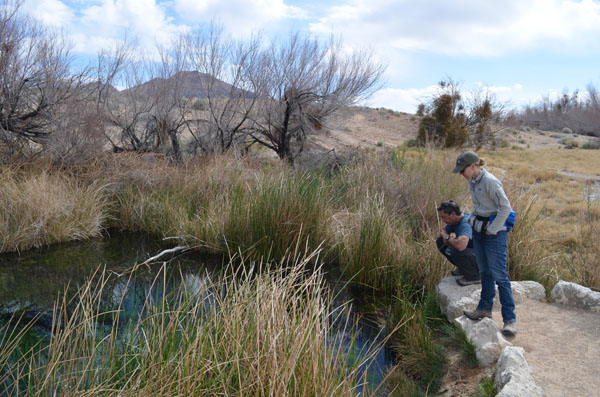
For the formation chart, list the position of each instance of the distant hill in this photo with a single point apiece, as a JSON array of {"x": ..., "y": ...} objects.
[{"x": 195, "y": 85}]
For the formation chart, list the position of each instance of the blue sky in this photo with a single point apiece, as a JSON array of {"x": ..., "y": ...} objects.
[{"x": 519, "y": 49}]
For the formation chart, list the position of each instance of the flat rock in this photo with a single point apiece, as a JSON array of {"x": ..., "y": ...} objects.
[
  {"x": 454, "y": 299},
  {"x": 513, "y": 375},
  {"x": 485, "y": 336},
  {"x": 572, "y": 294}
]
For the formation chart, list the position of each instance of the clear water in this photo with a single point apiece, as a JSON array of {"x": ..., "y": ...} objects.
[{"x": 31, "y": 282}]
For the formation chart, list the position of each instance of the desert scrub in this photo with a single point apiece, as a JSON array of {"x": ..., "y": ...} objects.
[
  {"x": 38, "y": 208},
  {"x": 255, "y": 332},
  {"x": 570, "y": 143},
  {"x": 567, "y": 130}
]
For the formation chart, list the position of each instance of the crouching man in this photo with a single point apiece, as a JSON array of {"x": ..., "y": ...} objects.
[{"x": 458, "y": 249}]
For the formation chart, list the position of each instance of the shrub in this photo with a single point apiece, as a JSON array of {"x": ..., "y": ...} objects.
[
  {"x": 199, "y": 104},
  {"x": 566, "y": 131},
  {"x": 590, "y": 145},
  {"x": 504, "y": 144},
  {"x": 570, "y": 143}
]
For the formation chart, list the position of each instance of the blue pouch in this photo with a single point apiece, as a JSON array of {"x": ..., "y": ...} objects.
[{"x": 510, "y": 221}]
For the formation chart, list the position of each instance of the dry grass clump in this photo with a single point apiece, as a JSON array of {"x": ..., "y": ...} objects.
[
  {"x": 38, "y": 207},
  {"x": 258, "y": 333},
  {"x": 531, "y": 176},
  {"x": 580, "y": 262}
]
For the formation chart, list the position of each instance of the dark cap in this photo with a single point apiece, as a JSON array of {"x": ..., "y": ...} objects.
[{"x": 465, "y": 160}]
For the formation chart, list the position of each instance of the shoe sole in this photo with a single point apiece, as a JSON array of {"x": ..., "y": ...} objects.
[
  {"x": 465, "y": 283},
  {"x": 508, "y": 333},
  {"x": 475, "y": 317}
]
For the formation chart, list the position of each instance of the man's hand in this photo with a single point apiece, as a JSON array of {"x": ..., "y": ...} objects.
[{"x": 444, "y": 235}]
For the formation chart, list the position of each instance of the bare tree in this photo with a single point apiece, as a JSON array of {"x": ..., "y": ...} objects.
[
  {"x": 576, "y": 112},
  {"x": 167, "y": 91},
  {"x": 35, "y": 78},
  {"x": 125, "y": 113},
  {"x": 231, "y": 79},
  {"x": 306, "y": 81}
]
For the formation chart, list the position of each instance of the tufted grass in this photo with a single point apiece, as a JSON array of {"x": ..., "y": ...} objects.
[{"x": 43, "y": 207}]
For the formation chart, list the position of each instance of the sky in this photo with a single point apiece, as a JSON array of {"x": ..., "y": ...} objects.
[{"x": 520, "y": 50}]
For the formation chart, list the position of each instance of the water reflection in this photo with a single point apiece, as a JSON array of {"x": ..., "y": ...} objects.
[{"x": 31, "y": 282}]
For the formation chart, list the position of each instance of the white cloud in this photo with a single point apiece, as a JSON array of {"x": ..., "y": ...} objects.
[
  {"x": 466, "y": 27},
  {"x": 407, "y": 100},
  {"x": 144, "y": 18},
  {"x": 50, "y": 12},
  {"x": 404, "y": 100},
  {"x": 238, "y": 16}
]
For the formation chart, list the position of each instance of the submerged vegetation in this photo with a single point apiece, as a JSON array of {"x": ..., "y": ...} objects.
[{"x": 374, "y": 218}]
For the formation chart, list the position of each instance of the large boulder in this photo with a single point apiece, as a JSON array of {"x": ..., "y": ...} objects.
[
  {"x": 485, "y": 336},
  {"x": 528, "y": 290},
  {"x": 572, "y": 294},
  {"x": 454, "y": 299},
  {"x": 513, "y": 375}
]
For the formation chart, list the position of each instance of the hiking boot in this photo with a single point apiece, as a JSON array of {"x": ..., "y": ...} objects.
[
  {"x": 510, "y": 328},
  {"x": 477, "y": 314},
  {"x": 464, "y": 282},
  {"x": 456, "y": 272}
]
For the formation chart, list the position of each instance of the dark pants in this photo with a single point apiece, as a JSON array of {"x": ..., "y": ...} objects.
[{"x": 464, "y": 260}]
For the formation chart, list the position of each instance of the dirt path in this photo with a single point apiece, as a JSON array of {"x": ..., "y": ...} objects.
[{"x": 562, "y": 346}]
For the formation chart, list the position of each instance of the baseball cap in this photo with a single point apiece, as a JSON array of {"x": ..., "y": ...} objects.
[{"x": 465, "y": 160}]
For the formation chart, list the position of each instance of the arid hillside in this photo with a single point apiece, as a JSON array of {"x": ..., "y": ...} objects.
[{"x": 378, "y": 128}]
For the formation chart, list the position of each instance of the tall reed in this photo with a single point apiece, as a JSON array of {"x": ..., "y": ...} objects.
[
  {"x": 267, "y": 218},
  {"x": 259, "y": 332},
  {"x": 372, "y": 245}
]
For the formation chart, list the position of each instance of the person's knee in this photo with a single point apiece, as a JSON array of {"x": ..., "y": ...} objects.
[{"x": 501, "y": 277}]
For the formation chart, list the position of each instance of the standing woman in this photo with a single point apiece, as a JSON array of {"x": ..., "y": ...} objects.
[{"x": 489, "y": 238}]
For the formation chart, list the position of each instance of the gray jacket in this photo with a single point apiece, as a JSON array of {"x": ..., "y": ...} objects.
[{"x": 488, "y": 198}]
